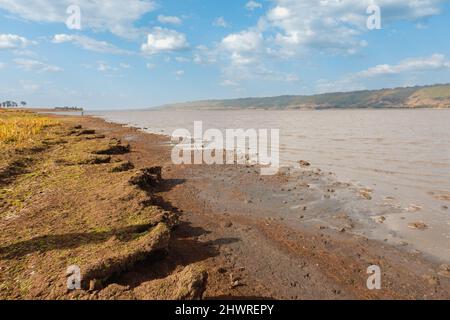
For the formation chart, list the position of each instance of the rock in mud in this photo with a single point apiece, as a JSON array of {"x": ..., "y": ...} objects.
[
  {"x": 85, "y": 131},
  {"x": 228, "y": 224},
  {"x": 304, "y": 163},
  {"x": 381, "y": 219},
  {"x": 418, "y": 225},
  {"x": 96, "y": 160},
  {"x": 122, "y": 167},
  {"x": 115, "y": 148},
  {"x": 221, "y": 270},
  {"x": 147, "y": 177},
  {"x": 366, "y": 194}
]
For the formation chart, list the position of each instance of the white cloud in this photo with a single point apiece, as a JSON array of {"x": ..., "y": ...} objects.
[
  {"x": 169, "y": 19},
  {"x": 279, "y": 13},
  {"x": 253, "y": 5},
  {"x": 34, "y": 65},
  {"x": 334, "y": 25},
  {"x": 433, "y": 62},
  {"x": 2, "y": 65},
  {"x": 117, "y": 17},
  {"x": 291, "y": 28},
  {"x": 164, "y": 40},
  {"x": 244, "y": 41},
  {"x": 220, "y": 22},
  {"x": 124, "y": 65},
  {"x": 150, "y": 66},
  {"x": 12, "y": 41},
  {"x": 243, "y": 47},
  {"x": 88, "y": 43},
  {"x": 404, "y": 70}
]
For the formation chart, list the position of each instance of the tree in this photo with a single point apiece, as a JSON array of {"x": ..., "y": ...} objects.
[{"x": 23, "y": 103}]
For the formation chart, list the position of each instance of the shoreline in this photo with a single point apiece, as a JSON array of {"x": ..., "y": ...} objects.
[
  {"x": 383, "y": 205},
  {"x": 233, "y": 225}
]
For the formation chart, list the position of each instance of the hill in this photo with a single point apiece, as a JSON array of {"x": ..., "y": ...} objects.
[{"x": 436, "y": 96}]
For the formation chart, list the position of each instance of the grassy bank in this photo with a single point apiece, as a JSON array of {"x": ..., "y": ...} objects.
[{"x": 68, "y": 196}]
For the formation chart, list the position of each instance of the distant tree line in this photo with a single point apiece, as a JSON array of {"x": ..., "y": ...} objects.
[{"x": 12, "y": 104}]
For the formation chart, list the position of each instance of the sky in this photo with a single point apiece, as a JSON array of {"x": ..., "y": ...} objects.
[{"x": 141, "y": 53}]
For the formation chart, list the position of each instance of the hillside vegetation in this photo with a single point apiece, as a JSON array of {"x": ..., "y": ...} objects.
[{"x": 437, "y": 96}]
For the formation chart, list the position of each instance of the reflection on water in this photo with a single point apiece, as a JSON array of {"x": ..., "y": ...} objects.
[{"x": 400, "y": 154}]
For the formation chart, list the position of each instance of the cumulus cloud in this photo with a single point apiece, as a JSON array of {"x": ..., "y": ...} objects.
[
  {"x": 245, "y": 41},
  {"x": 164, "y": 40},
  {"x": 13, "y": 41},
  {"x": 291, "y": 28},
  {"x": 118, "y": 17},
  {"x": 335, "y": 25},
  {"x": 88, "y": 43},
  {"x": 242, "y": 49},
  {"x": 244, "y": 54},
  {"x": 37, "y": 66},
  {"x": 169, "y": 19}
]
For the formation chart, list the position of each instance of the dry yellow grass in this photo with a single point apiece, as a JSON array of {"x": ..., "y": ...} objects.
[{"x": 20, "y": 127}]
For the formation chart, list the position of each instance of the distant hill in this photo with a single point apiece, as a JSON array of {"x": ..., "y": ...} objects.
[{"x": 436, "y": 96}]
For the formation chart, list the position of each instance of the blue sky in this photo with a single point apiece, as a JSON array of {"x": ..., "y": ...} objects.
[{"x": 142, "y": 53}]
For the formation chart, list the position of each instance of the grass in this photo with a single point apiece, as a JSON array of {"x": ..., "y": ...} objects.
[
  {"x": 64, "y": 205},
  {"x": 437, "y": 92},
  {"x": 19, "y": 128}
]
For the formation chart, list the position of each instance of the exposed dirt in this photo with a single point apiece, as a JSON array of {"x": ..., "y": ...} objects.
[{"x": 281, "y": 237}]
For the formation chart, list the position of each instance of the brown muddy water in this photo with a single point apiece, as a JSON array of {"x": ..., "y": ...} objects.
[{"x": 400, "y": 157}]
